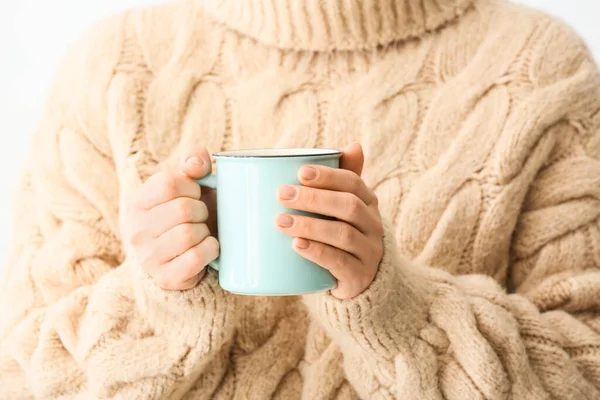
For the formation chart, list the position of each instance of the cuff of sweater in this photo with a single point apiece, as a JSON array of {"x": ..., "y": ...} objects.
[
  {"x": 381, "y": 319},
  {"x": 206, "y": 306}
]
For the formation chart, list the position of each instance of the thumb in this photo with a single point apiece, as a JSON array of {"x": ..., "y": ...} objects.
[
  {"x": 195, "y": 163},
  {"x": 353, "y": 158}
]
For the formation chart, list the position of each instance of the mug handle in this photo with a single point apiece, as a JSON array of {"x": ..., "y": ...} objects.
[{"x": 210, "y": 181}]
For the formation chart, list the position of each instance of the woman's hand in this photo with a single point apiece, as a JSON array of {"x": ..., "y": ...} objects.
[
  {"x": 167, "y": 227},
  {"x": 350, "y": 247}
]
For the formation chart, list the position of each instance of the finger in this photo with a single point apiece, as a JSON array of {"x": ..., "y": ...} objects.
[
  {"x": 160, "y": 219},
  {"x": 337, "y": 234},
  {"x": 196, "y": 163},
  {"x": 353, "y": 158},
  {"x": 339, "y": 180},
  {"x": 347, "y": 269},
  {"x": 163, "y": 187},
  {"x": 177, "y": 241},
  {"x": 185, "y": 271},
  {"x": 343, "y": 206}
]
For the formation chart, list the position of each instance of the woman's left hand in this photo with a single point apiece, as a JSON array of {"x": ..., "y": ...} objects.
[{"x": 350, "y": 247}]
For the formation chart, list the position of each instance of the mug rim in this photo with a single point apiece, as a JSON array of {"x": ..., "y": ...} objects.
[{"x": 278, "y": 153}]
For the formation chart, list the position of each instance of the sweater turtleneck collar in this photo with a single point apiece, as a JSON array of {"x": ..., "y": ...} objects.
[{"x": 322, "y": 25}]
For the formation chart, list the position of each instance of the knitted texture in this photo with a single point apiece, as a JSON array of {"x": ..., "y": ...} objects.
[{"x": 480, "y": 122}]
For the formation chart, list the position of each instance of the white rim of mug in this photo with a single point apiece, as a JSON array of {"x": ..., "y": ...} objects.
[{"x": 278, "y": 153}]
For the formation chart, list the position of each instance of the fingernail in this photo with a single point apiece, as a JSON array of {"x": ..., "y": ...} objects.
[
  {"x": 195, "y": 160},
  {"x": 308, "y": 173},
  {"x": 302, "y": 243},
  {"x": 287, "y": 193},
  {"x": 285, "y": 221}
]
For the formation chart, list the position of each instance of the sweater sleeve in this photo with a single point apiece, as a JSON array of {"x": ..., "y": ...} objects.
[
  {"x": 422, "y": 333},
  {"x": 78, "y": 318}
]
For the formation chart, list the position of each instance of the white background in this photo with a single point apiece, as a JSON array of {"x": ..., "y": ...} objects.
[{"x": 35, "y": 33}]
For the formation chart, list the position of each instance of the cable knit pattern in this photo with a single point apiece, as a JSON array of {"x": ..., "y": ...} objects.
[{"x": 481, "y": 127}]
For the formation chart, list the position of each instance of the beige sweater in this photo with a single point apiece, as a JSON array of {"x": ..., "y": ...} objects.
[{"x": 481, "y": 126}]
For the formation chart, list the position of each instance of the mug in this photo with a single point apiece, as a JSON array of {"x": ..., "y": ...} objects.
[{"x": 255, "y": 258}]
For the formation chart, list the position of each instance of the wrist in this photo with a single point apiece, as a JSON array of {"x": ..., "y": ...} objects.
[
  {"x": 169, "y": 310},
  {"x": 394, "y": 304}
]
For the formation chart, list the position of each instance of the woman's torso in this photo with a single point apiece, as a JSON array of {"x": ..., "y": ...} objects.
[{"x": 439, "y": 119}]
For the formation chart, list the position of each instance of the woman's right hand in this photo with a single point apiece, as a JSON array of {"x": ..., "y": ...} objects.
[{"x": 165, "y": 225}]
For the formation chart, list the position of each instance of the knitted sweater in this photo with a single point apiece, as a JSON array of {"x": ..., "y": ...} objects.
[{"x": 480, "y": 122}]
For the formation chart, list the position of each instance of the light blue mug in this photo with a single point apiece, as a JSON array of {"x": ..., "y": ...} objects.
[{"x": 257, "y": 259}]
